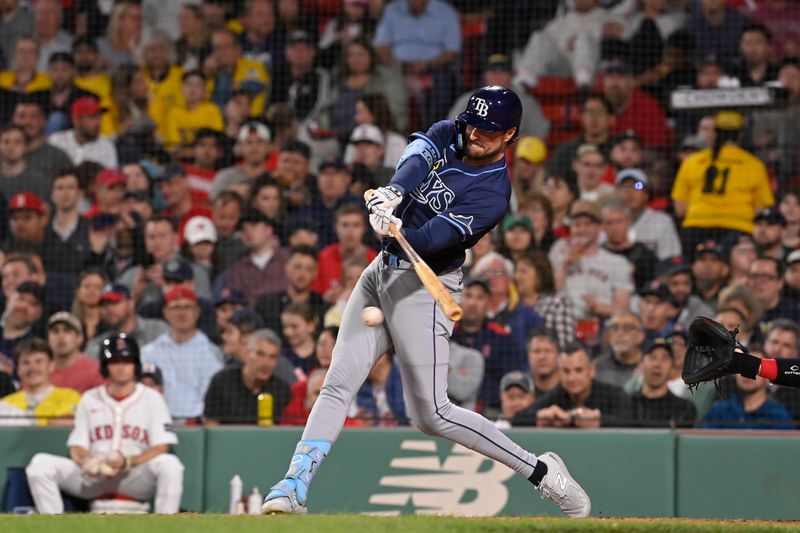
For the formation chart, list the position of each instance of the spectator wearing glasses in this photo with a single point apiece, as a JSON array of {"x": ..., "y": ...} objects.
[
  {"x": 765, "y": 277},
  {"x": 626, "y": 336}
]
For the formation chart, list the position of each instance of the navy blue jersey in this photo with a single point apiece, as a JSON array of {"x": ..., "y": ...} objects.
[{"x": 448, "y": 207}]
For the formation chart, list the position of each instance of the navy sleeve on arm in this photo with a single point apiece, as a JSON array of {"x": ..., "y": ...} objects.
[{"x": 413, "y": 167}]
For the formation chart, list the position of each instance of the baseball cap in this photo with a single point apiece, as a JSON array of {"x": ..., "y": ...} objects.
[
  {"x": 585, "y": 208},
  {"x": 728, "y": 120},
  {"x": 60, "y": 57},
  {"x": 531, "y": 149},
  {"x": 149, "y": 370},
  {"x": 771, "y": 216},
  {"x": 177, "y": 270},
  {"x": 254, "y": 128},
  {"x": 63, "y": 317},
  {"x": 482, "y": 282},
  {"x": 115, "y": 292},
  {"x": 297, "y": 147},
  {"x": 172, "y": 171},
  {"x": 226, "y": 295},
  {"x": 300, "y": 36},
  {"x": 793, "y": 258},
  {"x": 499, "y": 62},
  {"x": 627, "y": 135},
  {"x": 333, "y": 162},
  {"x": 180, "y": 293},
  {"x": 109, "y": 177},
  {"x": 655, "y": 288},
  {"x": 516, "y": 378},
  {"x": 200, "y": 229},
  {"x": 246, "y": 318},
  {"x": 26, "y": 200},
  {"x": 512, "y": 220},
  {"x": 616, "y": 65},
  {"x": 254, "y": 216},
  {"x": 635, "y": 174},
  {"x": 671, "y": 266},
  {"x": 86, "y": 106},
  {"x": 32, "y": 288},
  {"x": 367, "y": 133},
  {"x": 658, "y": 342},
  {"x": 709, "y": 246}
]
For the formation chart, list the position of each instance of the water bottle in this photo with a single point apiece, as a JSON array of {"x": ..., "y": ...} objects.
[
  {"x": 254, "y": 502},
  {"x": 235, "y": 495}
]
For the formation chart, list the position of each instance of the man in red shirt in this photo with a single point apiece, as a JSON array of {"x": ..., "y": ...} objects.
[
  {"x": 350, "y": 228},
  {"x": 634, "y": 109},
  {"x": 73, "y": 369}
]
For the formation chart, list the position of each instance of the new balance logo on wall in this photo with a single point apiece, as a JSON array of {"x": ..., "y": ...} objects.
[{"x": 462, "y": 482}]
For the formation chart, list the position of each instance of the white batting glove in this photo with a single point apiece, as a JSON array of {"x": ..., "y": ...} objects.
[
  {"x": 384, "y": 198},
  {"x": 380, "y": 220}
]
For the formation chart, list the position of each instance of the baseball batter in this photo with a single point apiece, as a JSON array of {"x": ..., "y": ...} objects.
[
  {"x": 118, "y": 446},
  {"x": 450, "y": 188}
]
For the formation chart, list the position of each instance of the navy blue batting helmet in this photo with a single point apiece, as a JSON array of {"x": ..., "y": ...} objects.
[
  {"x": 493, "y": 108},
  {"x": 119, "y": 345}
]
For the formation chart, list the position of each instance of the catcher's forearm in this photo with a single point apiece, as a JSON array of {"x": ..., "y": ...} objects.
[{"x": 784, "y": 372}]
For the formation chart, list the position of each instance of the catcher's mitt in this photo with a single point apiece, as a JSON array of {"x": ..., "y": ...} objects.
[{"x": 710, "y": 352}]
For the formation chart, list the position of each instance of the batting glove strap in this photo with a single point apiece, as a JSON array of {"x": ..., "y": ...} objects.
[{"x": 385, "y": 198}]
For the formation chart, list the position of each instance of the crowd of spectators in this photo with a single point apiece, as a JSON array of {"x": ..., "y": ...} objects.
[{"x": 189, "y": 172}]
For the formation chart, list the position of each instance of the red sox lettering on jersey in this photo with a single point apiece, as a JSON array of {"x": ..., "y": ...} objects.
[{"x": 106, "y": 431}]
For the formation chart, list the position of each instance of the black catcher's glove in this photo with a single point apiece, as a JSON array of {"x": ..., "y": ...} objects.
[{"x": 712, "y": 352}]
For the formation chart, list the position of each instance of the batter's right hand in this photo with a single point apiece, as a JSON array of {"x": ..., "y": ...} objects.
[
  {"x": 380, "y": 221},
  {"x": 385, "y": 199}
]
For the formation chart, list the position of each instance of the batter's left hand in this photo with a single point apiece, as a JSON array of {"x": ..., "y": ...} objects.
[{"x": 380, "y": 221}]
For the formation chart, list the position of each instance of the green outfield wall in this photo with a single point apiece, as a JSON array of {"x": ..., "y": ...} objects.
[{"x": 657, "y": 473}]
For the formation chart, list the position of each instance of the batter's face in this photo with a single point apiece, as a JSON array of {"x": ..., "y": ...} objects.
[
  {"x": 121, "y": 371},
  {"x": 485, "y": 147},
  {"x": 34, "y": 370}
]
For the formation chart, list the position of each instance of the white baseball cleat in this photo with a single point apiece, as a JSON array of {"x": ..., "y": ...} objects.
[
  {"x": 559, "y": 487},
  {"x": 283, "y": 500}
]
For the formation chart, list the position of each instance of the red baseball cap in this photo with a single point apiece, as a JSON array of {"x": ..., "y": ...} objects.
[
  {"x": 26, "y": 200},
  {"x": 179, "y": 293},
  {"x": 86, "y": 106},
  {"x": 108, "y": 177}
]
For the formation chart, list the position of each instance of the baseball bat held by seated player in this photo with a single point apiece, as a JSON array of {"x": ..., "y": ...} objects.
[{"x": 427, "y": 276}]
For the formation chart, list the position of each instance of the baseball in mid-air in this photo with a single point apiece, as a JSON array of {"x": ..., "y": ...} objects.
[{"x": 372, "y": 316}]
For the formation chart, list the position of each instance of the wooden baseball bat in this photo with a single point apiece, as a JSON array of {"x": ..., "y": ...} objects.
[{"x": 427, "y": 276}]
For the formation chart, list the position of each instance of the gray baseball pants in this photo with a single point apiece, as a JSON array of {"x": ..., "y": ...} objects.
[{"x": 420, "y": 332}]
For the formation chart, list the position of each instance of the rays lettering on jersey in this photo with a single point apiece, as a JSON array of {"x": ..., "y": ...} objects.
[
  {"x": 106, "y": 432},
  {"x": 433, "y": 191}
]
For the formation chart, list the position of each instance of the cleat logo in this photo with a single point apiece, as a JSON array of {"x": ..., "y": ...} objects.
[
  {"x": 481, "y": 107},
  {"x": 561, "y": 481}
]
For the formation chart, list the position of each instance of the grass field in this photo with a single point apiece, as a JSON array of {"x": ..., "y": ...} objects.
[{"x": 198, "y": 523}]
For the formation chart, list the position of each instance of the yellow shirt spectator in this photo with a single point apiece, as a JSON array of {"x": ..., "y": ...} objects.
[
  {"x": 40, "y": 81},
  {"x": 164, "y": 95},
  {"x": 726, "y": 194},
  {"x": 59, "y": 402},
  {"x": 182, "y": 123},
  {"x": 251, "y": 76}
]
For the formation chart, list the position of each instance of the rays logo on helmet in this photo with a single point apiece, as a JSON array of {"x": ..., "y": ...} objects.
[{"x": 481, "y": 107}]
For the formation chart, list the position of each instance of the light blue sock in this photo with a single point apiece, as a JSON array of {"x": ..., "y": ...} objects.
[{"x": 308, "y": 456}]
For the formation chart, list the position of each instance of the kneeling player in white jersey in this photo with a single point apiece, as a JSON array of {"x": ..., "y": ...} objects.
[{"x": 119, "y": 445}]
